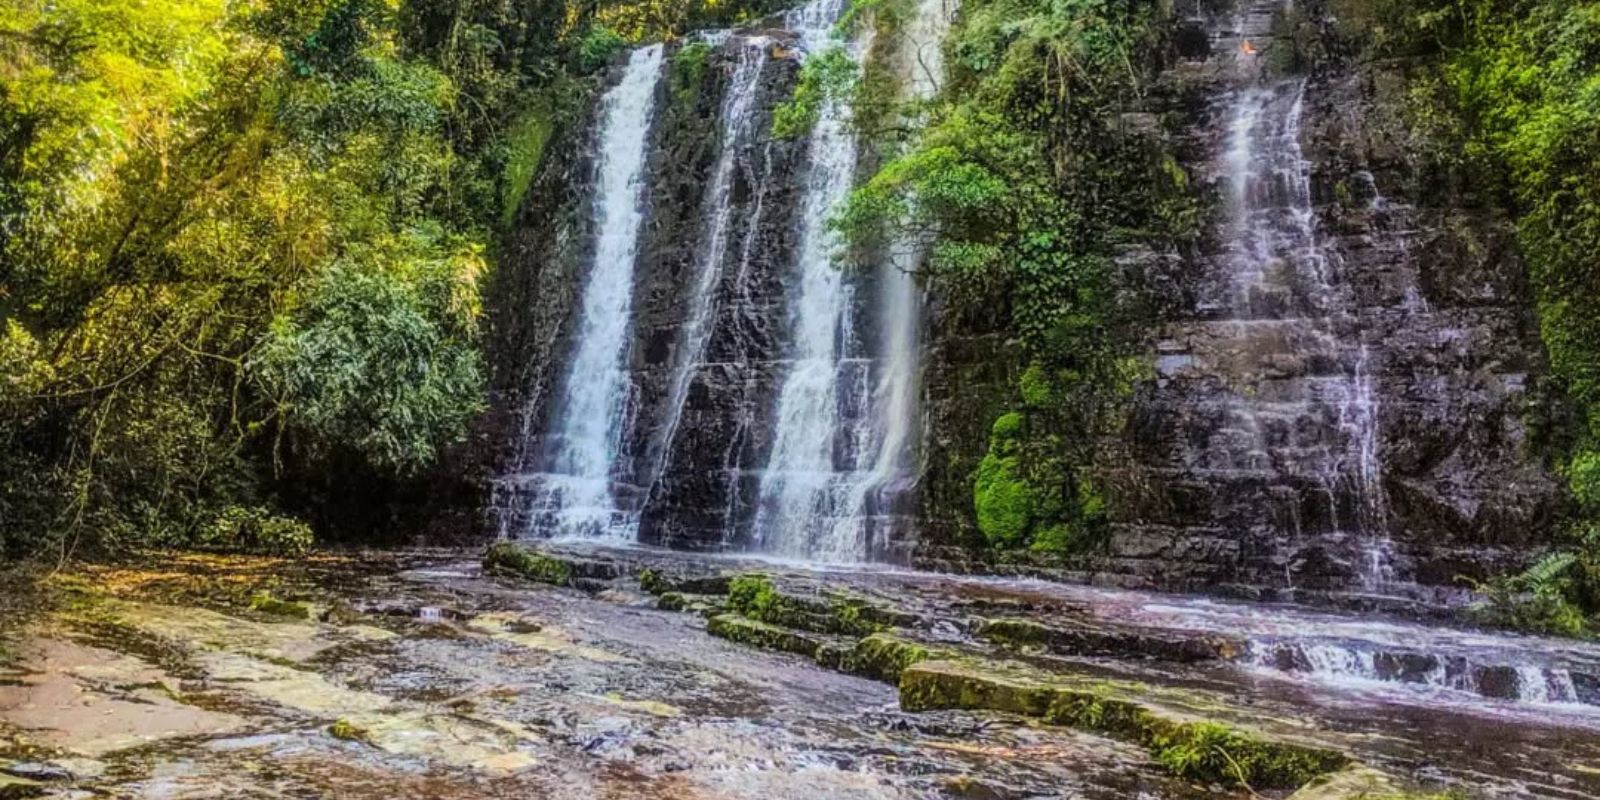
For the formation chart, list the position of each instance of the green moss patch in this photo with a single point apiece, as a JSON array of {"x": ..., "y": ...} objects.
[
  {"x": 1200, "y": 750},
  {"x": 885, "y": 656},
  {"x": 755, "y": 597},
  {"x": 344, "y": 729},
  {"x": 265, "y": 603},
  {"x": 703, "y": 604},
  {"x": 739, "y": 629},
  {"x": 507, "y": 557}
]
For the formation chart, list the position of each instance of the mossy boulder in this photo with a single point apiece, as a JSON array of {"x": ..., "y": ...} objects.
[
  {"x": 265, "y": 603},
  {"x": 1090, "y": 641},
  {"x": 884, "y": 656},
  {"x": 508, "y": 557},
  {"x": 754, "y": 596},
  {"x": 743, "y": 630},
  {"x": 1196, "y": 749},
  {"x": 658, "y": 583}
]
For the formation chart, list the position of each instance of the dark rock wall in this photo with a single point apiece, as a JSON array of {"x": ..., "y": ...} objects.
[
  {"x": 696, "y": 482},
  {"x": 710, "y": 470},
  {"x": 529, "y": 308},
  {"x": 1438, "y": 298}
]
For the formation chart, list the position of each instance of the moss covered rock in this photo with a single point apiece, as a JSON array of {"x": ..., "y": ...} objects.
[
  {"x": 743, "y": 630},
  {"x": 1075, "y": 640},
  {"x": 508, "y": 557},
  {"x": 1197, "y": 749},
  {"x": 265, "y": 603}
]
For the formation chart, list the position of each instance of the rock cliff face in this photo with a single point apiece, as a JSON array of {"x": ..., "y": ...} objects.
[
  {"x": 689, "y": 465},
  {"x": 1344, "y": 371},
  {"x": 703, "y": 470}
]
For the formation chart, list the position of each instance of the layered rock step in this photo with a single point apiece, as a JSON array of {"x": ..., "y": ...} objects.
[{"x": 1181, "y": 667}]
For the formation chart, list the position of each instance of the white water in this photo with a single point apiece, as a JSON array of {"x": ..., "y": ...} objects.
[
  {"x": 921, "y": 65},
  {"x": 1286, "y": 290},
  {"x": 846, "y": 428},
  {"x": 804, "y": 493},
  {"x": 574, "y": 495},
  {"x": 737, "y": 116},
  {"x": 1355, "y": 664}
]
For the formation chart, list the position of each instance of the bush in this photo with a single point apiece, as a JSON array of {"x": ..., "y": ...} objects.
[
  {"x": 255, "y": 529},
  {"x": 380, "y": 362},
  {"x": 1548, "y": 597},
  {"x": 598, "y": 48},
  {"x": 826, "y": 77}
]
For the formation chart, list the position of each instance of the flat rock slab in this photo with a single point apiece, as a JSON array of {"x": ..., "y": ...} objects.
[{"x": 91, "y": 701}]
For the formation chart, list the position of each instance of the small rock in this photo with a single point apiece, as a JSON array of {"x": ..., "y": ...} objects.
[
  {"x": 523, "y": 625},
  {"x": 38, "y": 771}
]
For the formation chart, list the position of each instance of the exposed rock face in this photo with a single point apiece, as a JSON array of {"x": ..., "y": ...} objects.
[
  {"x": 704, "y": 478},
  {"x": 1350, "y": 418},
  {"x": 1344, "y": 370},
  {"x": 691, "y": 467},
  {"x": 530, "y": 309}
]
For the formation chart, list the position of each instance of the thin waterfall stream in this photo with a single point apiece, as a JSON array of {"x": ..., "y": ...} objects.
[
  {"x": 737, "y": 130},
  {"x": 810, "y": 494},
  {"x": 575, "y": 495},
  {"x": 1290, "y": 311}
]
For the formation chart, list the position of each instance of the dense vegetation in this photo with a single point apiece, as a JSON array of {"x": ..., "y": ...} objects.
[
  {"x": 241, "y": 246},
  {"x": 1017, "y": 186}
]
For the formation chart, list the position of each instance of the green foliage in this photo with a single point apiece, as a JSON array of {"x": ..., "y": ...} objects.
[
  {"x": 752, "y": 595},
  {"x": 688, "y": 69},
  {"x": 1553, "y": 597},
  {"x": 1003, "y": 501},
  {"x": 381, "y": 360},
  {"x": 265, "y": 603},
  {"x": 598, "y": 48},
  {"x": 255, "y": 530},
  {"x": 524, "y": 153},
  {"x": 1516, "y": 84},
  {"x": 825, "y": 77},
  {"x": 1014, "y": 181},
  {"x": 528, "y": 564}
]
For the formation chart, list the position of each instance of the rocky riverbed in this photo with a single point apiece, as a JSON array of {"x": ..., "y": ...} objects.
[{"x": 636, "y": 673}]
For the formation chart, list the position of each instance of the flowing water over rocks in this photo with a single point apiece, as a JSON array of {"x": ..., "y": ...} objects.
[
  {"x": 418, "y": 675},
  {"x": 511, "y": 689},
  {"x": 572, "y": 491}
]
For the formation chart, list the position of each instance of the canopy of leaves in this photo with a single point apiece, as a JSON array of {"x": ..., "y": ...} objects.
[{"x": 241, "y": 243}]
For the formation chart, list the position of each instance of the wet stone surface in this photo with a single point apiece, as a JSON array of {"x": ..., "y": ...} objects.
[{"x": 164, "y": 682}]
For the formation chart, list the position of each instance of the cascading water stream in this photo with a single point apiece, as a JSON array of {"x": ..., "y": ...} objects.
[
  {"x": 574, "y": 495},
  {"x": 921, "y": 65},
  {"x": 846, "y": 425},
  {"x": 738, "y": 113},
  {"x": 1287, "y": 302},
  {"x": 807, "y": 489}
]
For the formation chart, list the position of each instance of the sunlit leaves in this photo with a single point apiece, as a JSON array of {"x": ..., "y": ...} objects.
[{"x": 380, "y": 360}]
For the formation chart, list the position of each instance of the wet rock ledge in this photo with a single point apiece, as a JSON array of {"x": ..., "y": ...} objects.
[{"x": 986, "y": 664}]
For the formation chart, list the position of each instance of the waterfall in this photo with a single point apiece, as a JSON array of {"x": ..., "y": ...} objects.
[
  {"x": 921, "y": 66},
  {"x": 799, "y": 504},
  {"x": 1355, "y": 663},
  {"x": 738, "y": 112},
  {"x": 573, "y": 494},
  {"x": 1294, "y": 326},
  {"x": 846, "y": 423}
]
